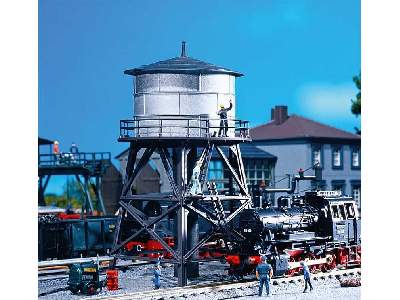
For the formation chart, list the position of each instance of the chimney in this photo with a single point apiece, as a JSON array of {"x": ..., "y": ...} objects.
[{"x": 279, "y": 114}]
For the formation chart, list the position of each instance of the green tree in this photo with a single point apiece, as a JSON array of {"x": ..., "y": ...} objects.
[
  {"x": 72, "y": 194},
  {"x": 356, "y": 104},
  {"x": 55, "y": 200}
]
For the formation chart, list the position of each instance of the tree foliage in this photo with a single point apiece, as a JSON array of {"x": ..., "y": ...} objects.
[
  {"x": 62, "y": 201},
  {"x": 356, "y": 104},
  {"x": 72, "y": 195}
]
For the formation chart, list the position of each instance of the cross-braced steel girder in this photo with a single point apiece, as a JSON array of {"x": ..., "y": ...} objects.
[{"x": 178, "y": 162}]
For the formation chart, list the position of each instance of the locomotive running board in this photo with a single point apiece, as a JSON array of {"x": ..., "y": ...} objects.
[{"x": 310, "y": 262}]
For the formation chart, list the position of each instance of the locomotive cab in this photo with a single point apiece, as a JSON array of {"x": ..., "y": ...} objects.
[
  {"x": 338, "y": 217},
  {"x": 345, "y": 224}
]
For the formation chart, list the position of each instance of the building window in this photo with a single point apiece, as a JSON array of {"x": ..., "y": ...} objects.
[
  {"x": 339, "y": 185},
  {"x": 342, "y": 212},
  {"x": 216, "y": 173},
  {"x": 337, "y": 158},
  {"x": 335, "y": 212},
  {"x": 350, "y": 211},
  {"x": 316, "y": 155},
  {"x": 257, "y": 170},
  {"x": 356, "y": 192},
  {"x": 355, "y": 158}
]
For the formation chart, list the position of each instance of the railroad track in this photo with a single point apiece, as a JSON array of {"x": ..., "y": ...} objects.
[
  {"x": 60, "y": 269},
  {"x": 196, "y": 290}
]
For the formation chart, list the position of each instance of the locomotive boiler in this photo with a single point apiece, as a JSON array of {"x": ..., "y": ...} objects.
[{"x": 273, "y": 221}]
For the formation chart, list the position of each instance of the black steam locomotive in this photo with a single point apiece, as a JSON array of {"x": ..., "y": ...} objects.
[{"x": 320, "y": 227}]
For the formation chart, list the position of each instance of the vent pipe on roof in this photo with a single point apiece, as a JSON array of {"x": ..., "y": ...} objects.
[
  {"x": 279, "y": 114},
  {"x": 183, "y": 53}
]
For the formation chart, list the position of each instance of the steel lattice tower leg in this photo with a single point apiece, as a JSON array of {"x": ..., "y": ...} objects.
[{"x": 188, "y": 208}]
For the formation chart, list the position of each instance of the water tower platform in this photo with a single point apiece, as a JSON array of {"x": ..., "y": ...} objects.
[{"x": 198, "y": 130}]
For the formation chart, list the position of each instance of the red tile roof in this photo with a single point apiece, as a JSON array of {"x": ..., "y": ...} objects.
[{"x": 299, "y": 127}]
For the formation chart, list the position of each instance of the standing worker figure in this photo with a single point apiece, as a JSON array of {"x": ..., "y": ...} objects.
[
  {"x": 74, "y": 152},
  {"x": 264, "y": 274},
  {"x": 307, "y": 279},
  {"x": 264, "y": 195},
  {"x": 223, "y": 115},
  {"x": 56, "y": 148},
  {"x": 74, "y": 148},
  {"x": 56, "y": 151},
  {"x": 157, "y": 275},
  {"x": 195, "y": 189}
]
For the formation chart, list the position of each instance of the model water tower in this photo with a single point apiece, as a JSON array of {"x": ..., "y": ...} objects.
[
  {"x": 175, "y": 114},
  {"x": 182, "y": 86}
]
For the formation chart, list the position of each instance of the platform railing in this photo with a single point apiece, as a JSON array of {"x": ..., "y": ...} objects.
[
  {"x": 84, "y": 159},
  {"x": 181, "y": 126}
]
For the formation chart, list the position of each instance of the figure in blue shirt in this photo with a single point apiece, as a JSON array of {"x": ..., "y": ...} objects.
[
  {"x": 306, "y": 273},
  {"x": 264, "y": 274},
  {"x": 157, "y": 275}
]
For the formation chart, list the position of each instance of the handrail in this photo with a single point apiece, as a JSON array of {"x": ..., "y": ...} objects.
[
  {"x": 85, "y": 159},
  {"x": 180, "y": 126}
]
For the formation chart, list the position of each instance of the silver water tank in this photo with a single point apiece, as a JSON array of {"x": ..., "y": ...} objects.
[{"x": 181, "y": 96}]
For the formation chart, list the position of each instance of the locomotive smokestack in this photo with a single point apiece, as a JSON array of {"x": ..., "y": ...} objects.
[{"x": 183, "y": 52}]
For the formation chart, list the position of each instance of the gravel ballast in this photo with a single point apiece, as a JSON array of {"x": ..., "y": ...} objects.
[{"x": 139, "y": 279}]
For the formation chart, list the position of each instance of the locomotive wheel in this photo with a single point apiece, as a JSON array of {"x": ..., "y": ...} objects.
[
  {"x": 74, "y": 290},
  {"x": 91, "y": 289},
  {"x": 313, "y": 268},
  {"x": 291, "y": 272},
  {"x": 330, "y": 264}
]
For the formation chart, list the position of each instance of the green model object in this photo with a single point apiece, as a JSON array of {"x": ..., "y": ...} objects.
[{"x": 85, "y": 278}]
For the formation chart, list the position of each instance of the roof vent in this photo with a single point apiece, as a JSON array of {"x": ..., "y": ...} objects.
[
  {"x": 279, "y": 114},
  {"x": 183, "y": 53}
]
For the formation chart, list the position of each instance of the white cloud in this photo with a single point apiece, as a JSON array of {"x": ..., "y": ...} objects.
[{"x": 327, "y": 101}]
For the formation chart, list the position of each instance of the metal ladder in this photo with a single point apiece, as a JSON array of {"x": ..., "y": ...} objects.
[
  {"x": 205, "y": 161},
  {"x": 218, "y": 207},
  {"x": 221, "y": 217}
]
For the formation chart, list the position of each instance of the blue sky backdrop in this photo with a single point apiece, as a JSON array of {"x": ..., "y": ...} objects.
[{"x": 300, "y": 53}]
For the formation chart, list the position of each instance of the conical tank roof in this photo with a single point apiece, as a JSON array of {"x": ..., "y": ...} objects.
[{"x": 181, "y": 65}]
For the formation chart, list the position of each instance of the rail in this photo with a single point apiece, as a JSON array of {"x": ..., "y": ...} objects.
[
  {"x": 187, "y": 126},
  {"x": 79, "y": 159},
  {"x": 67, "y": 262},
  {"x": 195, "y": 291}
]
